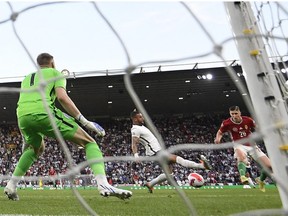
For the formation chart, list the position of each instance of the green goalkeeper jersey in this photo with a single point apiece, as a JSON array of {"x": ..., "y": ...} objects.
[{"x": 31, "y": 102}]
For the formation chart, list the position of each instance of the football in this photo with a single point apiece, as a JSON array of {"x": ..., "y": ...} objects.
[{"x": 195, "y": 180}]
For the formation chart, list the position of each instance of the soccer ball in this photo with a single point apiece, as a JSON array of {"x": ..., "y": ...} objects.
[{"x": 195, "y": 180}]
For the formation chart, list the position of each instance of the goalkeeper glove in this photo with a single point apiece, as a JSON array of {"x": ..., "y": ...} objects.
[{"x": 92, "y": 126}]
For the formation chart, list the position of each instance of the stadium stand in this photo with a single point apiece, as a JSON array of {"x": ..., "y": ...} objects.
[{"x": 174, "y": 130}]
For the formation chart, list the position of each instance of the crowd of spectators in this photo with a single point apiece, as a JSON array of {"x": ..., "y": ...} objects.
[{"x": 195, "y": 129}]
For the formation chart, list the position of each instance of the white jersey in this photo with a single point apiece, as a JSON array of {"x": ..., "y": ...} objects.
[{"x": 147, "y": 139}]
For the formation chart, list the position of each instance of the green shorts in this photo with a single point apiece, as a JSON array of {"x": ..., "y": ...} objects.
[{"x": 35, "y": 126}]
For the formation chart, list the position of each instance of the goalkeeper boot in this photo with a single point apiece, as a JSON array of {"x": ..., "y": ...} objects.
[
  {"x": 150, "y": 189},
  {"x": 261, "y": 184},
  {"x": 10, "y": 192},
  {"x": 244, "y": 180},
  {"x": 108, "y": 190},
  {"x": 205, "y": 162}
]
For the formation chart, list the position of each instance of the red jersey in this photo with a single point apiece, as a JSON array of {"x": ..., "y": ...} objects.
[{"x": 238, "y": 130}]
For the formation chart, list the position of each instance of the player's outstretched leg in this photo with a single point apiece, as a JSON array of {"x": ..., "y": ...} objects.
[
  {"x": 10, "y": 192},
  {"x": 159, "y": 179},
  {"x": 108, "y": 190},
  {"x": 205, "y": 162}
]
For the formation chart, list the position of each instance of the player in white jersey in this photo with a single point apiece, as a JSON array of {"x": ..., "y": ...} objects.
[
  {"x": 146, "y": 138},
  {"x": 141, "y": 134}
]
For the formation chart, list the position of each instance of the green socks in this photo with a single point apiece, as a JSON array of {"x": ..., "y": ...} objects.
[
  {"x": 242, "y": 168},
  {"x": 29, "y": 156},
  {"x": 93, "y": 152},
  {"x": 25, "y": 161},
  {"x": 263, "y": 175}
]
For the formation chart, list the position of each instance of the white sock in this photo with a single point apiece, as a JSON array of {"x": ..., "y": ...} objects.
[
  {"x": 161, "y": 178},
  {"x": 101, "y": 180},
  {"x": 251, "y": 182},
  {"x": 14, "y": 181},
  {"x": 189, "y": 164}
]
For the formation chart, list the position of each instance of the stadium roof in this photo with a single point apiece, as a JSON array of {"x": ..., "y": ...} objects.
[{"x": 167, "y": 93}]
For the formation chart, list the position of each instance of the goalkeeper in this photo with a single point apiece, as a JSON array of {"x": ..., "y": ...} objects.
[{"x": 34, "y": 124}]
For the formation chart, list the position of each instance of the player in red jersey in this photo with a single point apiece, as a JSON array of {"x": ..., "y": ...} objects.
[{"x": 240, "y": 127}]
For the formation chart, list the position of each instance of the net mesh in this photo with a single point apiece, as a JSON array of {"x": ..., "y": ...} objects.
[{"x": 272, "y": 18}]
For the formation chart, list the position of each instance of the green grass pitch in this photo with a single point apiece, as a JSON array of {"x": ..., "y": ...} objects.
[{"x": 162, "y": 202}]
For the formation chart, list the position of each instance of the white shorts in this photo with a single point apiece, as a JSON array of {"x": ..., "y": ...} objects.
[{"x": 255, "y": 153}]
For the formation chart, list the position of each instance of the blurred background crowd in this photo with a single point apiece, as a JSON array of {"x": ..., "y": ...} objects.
[{"x": 194, "y": 129}]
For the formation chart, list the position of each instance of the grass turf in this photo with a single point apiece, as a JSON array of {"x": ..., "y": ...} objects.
[{"x": 161, "y": 202}]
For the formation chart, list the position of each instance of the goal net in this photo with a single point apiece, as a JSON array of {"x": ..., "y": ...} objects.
[
  {"x": 264, "y": 63},
  {"x": 260, "y": 34}
]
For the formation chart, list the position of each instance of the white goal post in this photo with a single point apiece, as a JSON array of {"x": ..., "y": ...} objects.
[{"x": 269, "y": 105}]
